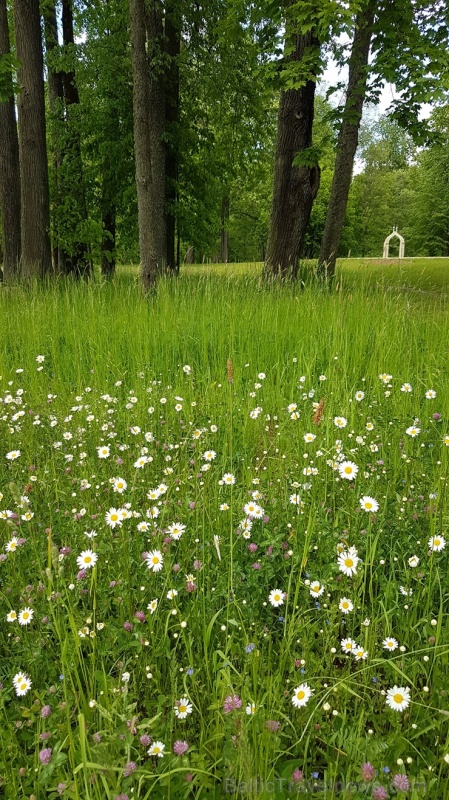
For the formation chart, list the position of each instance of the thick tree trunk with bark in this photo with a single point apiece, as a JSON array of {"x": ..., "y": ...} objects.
[
  {"x": 150, "y": 266},
  {"x": 295, "y": 187},
  {"x": 172, "y": 48},
  {"x": 347, "y": 140},
  {"x": 35, "y": 208},
  {"x": 78, "y": 260},
  {"x": 9, "y": 165},
  {"x": 56, "y": 119}
]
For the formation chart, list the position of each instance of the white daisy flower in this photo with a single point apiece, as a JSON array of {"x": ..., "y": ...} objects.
[
  {"x": 309, "y": 437},
  {"x": 430, "y": 394},
  {"x": 22, "y": 684},
  {"x": 340, "y": 422},
  {"x": 228, "y": 479},
  {"x": 301, "y": 695},
  {"x": 176, "y": 529},
  {"x": 413, "y": 561},
  {"x": 348, "y": 470},
  {"x": 398, "y": 698},
  {"x": 359, "y": 653},
  {"x": 437, "y": 543},
  {"x": 347, "y": 645},
  {"x": 345, "y": 605},
  {"x": 154, "y": 560},
  {"x": 359, "y": 396},
  {"x": 295, "y": 499},
  {"x": 152, "y": 606},
  {"x": 113, "y": 518},
  {"x": 390, "y": 644},
  {"x": 250, "y": 709},
  {"x": 406, "y": 387},
  {"x": 103, "y": 452},
  {"x": 348, "y": 561},
  {"x": 87, "y": 559},
  {"x": 12, "y": 455},
  {"x": 11, "y": 617},
  {"x": 369, "y": 504},
  {"x": 413, "y": 431},
  {"x": 183, "y": 708},
  {"x": 157, "y": 750},
  {"x": 119, "y": 485},
  {"x": 171, "y": 594},
  {"x": 276, "y": 598},
  {"x": 316, "y": 589}
]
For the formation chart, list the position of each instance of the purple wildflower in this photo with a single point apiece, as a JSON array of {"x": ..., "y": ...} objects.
[
  {"x": 45, "y": 711},
  {"x": 45, "y": 755},
  {"x": 180, "y": 747},
  {"x": 272, "y": 725},
  {"x": 130, "y": 767},
  {"x": 401, "y": 782},
  {"x": 379, "y": 793},
  {"x": 232, "y": 703},
  {"x": 368, "y": 771}
]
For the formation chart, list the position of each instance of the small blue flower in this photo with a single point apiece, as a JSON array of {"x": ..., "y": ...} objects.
[
  {"x": 250, "y": 647},
  {"x": 281, "y": 619},
  {"x": 61, "y": 677},
  {"x": 190, "y": 671},
  {"x": 315, "y": 774},
  {"x": 386, "y": 770}
]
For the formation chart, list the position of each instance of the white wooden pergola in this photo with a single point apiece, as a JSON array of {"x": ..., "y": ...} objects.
[{"x": 387, "y": 241}]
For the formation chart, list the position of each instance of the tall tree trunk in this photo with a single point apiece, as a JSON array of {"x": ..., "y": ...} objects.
[
  {"x": 150, "y": 266},
  {"x": 295, "y": 187},
  {"x": 347, "y": 140},
  {"x": 56, "y": 119},
  {"x": 108, "y": 218},
  {"x": 78, "y": 261},
  {"x": 157, "y": 127},
  {"x": 9, "y": 163},
  {"x": 35, "y": 207},
  {"x": 172, "y": 48},
  {"x": 224, "y": 229}
]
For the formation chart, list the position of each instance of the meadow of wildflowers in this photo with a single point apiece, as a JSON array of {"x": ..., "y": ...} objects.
[{"x": 224, "y": 539}]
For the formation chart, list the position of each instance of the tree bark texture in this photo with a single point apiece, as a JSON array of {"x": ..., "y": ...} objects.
[
  {"x": 295, "y": 187},
  {"x": 35, "y": 208},
  {"x": 78, "y": 260},
  {"x": 172, "y": 48},
  {"x": 156, "y": 130},
  {"x": 56, "y": 120},
  {"x": 150, "y": 266},
  {"x": 347, "y": 140},
  {"x": 9, "y": 165}
]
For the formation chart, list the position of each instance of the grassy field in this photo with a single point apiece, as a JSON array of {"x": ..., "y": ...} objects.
[
  {"x": 415, "y": 274},
  {"x": 223, "y": 510}
]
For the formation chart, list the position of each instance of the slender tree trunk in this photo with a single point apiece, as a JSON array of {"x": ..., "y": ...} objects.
[
  {"x": 35, "y": 207},
  {"x": 108, "y": 219},
  {"x": 56, "y": 102},
  {"x": 347, "y": 140},
  {"x": 150, "y": 266},
  {"x": 78, "y": 260},
  {"x": 224, "y": 229},
  {"x": 157, "y": 127},
  {"x": 172, "y": 48},
  {"x": 295, "y": 187},
  {"x": 9, "y": 164}
]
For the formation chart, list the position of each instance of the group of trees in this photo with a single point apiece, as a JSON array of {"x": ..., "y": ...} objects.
[{"x": 156, "y": 130}]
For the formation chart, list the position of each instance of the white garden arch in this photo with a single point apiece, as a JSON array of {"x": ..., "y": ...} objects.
[{"x": 387, "y": 241}]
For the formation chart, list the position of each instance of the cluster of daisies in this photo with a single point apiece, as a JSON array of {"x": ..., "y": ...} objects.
[{"x": 147, "y": 466}]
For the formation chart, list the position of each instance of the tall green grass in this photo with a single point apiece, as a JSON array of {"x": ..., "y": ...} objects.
[{"x": 111, "y": 340}]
